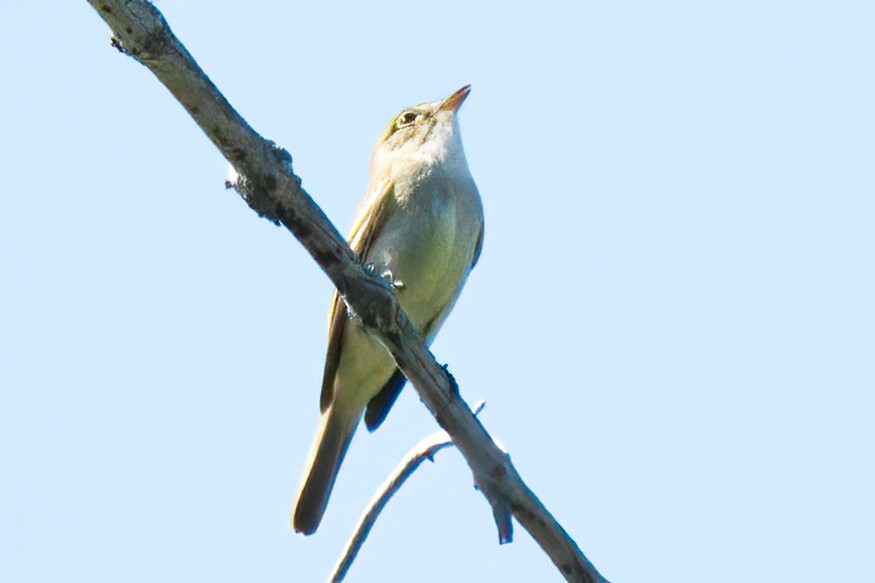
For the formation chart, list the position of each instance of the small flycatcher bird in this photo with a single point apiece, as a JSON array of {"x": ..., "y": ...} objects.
[{"x": 421, "y": 226}]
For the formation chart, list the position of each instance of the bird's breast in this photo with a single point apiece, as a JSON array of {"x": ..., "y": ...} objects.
[{"x": 428, "y": 245}]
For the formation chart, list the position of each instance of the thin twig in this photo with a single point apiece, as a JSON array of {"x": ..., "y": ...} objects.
[
  {"x": 424, "y": 450},
  {"x": 272, "y": 189}
]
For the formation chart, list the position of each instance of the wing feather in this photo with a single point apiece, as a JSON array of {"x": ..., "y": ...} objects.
[{"x": 370, "y": 220}]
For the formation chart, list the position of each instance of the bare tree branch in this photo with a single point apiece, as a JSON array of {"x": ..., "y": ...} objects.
[
  {"x": 271, "y": 188},
  {"x": 424, "y": 450}
]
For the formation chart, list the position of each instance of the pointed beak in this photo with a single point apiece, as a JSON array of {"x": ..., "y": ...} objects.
[{"x": 454, "y": 101}]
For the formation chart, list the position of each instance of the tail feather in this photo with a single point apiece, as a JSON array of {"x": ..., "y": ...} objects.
[{"x": 332, "y": 441}]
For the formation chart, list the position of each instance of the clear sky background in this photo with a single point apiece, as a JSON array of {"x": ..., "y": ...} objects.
[{"x": 672, "y": 321}]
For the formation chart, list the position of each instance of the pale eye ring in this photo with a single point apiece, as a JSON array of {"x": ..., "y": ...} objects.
[{"x": 406, "y": 118}]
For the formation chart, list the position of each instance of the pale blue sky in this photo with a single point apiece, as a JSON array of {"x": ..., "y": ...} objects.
[{"x": 672, "y": 322}]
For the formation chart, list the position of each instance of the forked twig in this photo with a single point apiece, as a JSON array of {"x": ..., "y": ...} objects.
[{"x": 425, "y": 449}]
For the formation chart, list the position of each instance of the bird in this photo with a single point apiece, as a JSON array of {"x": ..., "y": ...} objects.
[{"x": 420, "y": 226}]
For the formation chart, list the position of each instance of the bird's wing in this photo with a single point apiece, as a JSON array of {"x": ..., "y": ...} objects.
[
  {"x": 478, "y": 247},
  {"x": 370, "y": 219},
  {"x": 378, "y": 407}
]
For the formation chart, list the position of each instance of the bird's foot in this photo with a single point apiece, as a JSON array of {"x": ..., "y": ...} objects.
[{"x": 390, "y": 277}]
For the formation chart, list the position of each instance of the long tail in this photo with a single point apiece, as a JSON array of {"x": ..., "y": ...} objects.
[{"x": 332, "y": 441}]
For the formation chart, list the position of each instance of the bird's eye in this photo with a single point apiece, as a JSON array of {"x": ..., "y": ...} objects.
[{"x": 406, "y": 118}]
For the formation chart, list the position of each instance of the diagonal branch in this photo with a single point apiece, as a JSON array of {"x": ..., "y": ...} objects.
[{"x": 271, "y": 188}]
